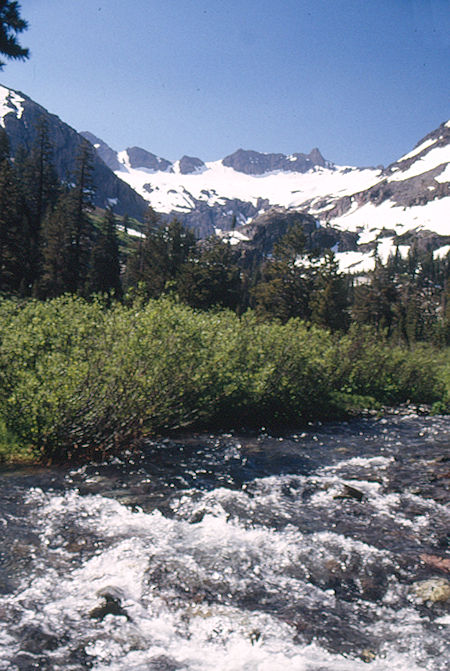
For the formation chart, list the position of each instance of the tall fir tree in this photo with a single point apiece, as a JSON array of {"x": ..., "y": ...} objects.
[
  {"x": 330, "y": 301},
  {"x": 41, "y": 189},
  {"x": 80, "y": 198},
  {"x": 13, "y": 225},
  {"x": 56, "y": 250},
  {"x": 68, "y": 234},
  {"x": 104, "y": 272},
  {"x": 11, "y": 25},
  {"x": 287, "y": 282},
  {"x": 211, "y": 277},
  {"x": 159, "y": 255}
]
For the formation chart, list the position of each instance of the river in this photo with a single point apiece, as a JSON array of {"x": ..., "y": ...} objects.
[{"x": 307, "y": 552}]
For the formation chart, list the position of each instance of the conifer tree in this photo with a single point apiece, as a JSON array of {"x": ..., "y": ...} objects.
[
  {"x": 80, "y": 198},
  {"x": 11, "y": 24},
  {"x": 41, "y": 188},
  {"x": 375, "y": 303},
  {"x": 68, "y": 234},
  {"x": 329, "y": 303},
  {"x": 159, "y": 256},
  {"x": 211, "y": 278},
  {"x": 286, "y": 284},
  {"x": 145, "y": 259},
  {"x": 104, "y": 273},
  {"x": 57, "y": 241},
  {"x": 13, "y": 229}
]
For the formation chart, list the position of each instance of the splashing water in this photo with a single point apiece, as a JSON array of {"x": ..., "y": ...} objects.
[{"x": 233, "y": 553}]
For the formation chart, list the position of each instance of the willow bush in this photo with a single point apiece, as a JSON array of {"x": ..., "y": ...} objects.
[{"x": 79, "y": 379}]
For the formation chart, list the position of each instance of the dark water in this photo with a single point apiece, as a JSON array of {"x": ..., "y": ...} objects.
[{"x": 254, "y": 553}]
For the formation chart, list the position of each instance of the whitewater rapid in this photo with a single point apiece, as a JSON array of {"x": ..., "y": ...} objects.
[{"x": 233, "y": 553}]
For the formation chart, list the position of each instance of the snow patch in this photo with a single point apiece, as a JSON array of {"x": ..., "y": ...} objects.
[
  {"x": 442, "y": 252},
  {"x": 218, "y": 182},
  {"x": 444, "y": 176},
  {"x": 435, "y": 157},
  {"x": 432, "y": 217},
  {"x": 10, "y": 101},
  {"x": 417, "y": 150}
]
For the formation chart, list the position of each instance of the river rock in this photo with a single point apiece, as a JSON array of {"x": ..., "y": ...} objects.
[
  {"x": 434, "y": 590},
  {"x": 349, "y": 492},
  {"x": 111, "y": 605}
]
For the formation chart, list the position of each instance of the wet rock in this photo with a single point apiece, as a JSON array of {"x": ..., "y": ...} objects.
[
  {"x": 349, "y": 492},
  {"x": 25, "y": 661},
  {"x": 111, "y": 605},
  {"x": 434, "y": 590},
  {"x": 163, "y": 663},
  {"x": 35, "y": 640}
]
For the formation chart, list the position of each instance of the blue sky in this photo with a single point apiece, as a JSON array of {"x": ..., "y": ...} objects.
[{"x": 363, "y": 80}]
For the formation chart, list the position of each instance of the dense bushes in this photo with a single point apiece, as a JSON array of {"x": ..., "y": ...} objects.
[{"x": 78, "y": 378}]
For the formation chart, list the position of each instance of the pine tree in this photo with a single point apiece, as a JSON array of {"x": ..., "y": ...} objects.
[
  {"x": 125, "y": 223},
  {"x": 68, "y": 233},
  {"x": 145, "y": 259},
  {"x": 80, "y": 198},
  {"x": 57, "y": 241},
  {"x": 13, "y": 229},
  {"x": 211, "y": 278},
  {"x": 104, "y": 273},
  {"x": 40, "y": 188},
  {"x": 13, "y": 232},
  {"x": 11, "y": 24},
  {"x": 287, "y": 282},
  {"x": 376, "y": 303},
  {"x": 329, "y": 303},
  {"x": 159, "y": 256}
]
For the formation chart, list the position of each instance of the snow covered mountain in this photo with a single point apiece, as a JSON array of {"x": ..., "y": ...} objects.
[
  {"x": 357, "y": 209},
  {"x": 384, "y": 208}
]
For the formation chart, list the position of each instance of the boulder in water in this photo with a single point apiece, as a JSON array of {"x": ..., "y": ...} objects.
[
  {"x": 111, "y": 605},
  {"x": 349, "y": 492}
]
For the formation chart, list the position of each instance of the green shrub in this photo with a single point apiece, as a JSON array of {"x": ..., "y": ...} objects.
[{"x": 78, "y": 379}]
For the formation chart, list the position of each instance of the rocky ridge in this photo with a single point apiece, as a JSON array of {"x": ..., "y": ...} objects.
[{"x": 19, "y": 116}]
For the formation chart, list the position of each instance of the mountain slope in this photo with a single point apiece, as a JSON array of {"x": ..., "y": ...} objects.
[
  {"x": 19, "y": 116},
  {"x": 409, "y": 200}
]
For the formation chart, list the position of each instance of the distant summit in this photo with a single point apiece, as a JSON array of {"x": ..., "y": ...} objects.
[
  {"x": 248, "y": 196},
  {"x": 382, "y": 209},
  {"x": 256, "y": 163}
]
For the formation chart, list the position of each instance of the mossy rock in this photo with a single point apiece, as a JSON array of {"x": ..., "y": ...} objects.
[{"x": 434, "y": 590}]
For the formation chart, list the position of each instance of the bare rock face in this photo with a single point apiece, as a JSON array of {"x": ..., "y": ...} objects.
[
  {"x": 108, "y": 155},
  {"x": 256, "y": 163},
  {"x": 191, "y": 164},
  {"x": 21, "y": 128},
  {"x": 140, "y": 158}
]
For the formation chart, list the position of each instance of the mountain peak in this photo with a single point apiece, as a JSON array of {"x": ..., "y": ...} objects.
[
  {"x": 256, "y": 163},
  {"x": 141, "y": 158},
  {"x": 191, "y": 164}
]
